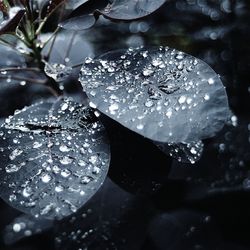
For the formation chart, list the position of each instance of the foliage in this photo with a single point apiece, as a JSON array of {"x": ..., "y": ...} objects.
[{"x": 73, "y": 113}]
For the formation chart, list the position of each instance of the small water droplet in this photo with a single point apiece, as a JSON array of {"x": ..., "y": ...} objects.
[{"x": 66, "y": 160}]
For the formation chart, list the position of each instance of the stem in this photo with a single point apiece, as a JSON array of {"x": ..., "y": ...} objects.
[
  {"x": 77, "y": 65},
  {"x": 51, "y": 46},
  {"x": 52, "y": 35},
  {"x": 70, "y": 44},
  {"x": 44, "y": 20}
]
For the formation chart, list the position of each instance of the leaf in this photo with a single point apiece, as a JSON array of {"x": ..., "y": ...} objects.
[
  {"x": 78, "y": 23},
  {"x": 160, "y": 93},
  {"x": 183, "y": 152},
  {"x": 66, "y": 48},
  {"x": 9, "y": 25},
  {"x": 59, "y": 72},
  {"x": 130, "y": 9},
  {"x": 54, "y": 158},
  {"x": 10, "y": 57},
  {"x": 85, "y": 14}
]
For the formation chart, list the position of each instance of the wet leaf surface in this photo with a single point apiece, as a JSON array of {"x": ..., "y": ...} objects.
[
  {"x": 116, "y": 10},
  {"x": 54, "y": 158},
  {"x": 59, "y": 72},
  {"x": 160, "y": 93},
  {"x": 183, "y": 152},
  {"x": 131, "y": 9}
]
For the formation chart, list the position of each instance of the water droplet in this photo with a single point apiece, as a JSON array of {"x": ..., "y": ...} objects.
[
  {"x": 15, "y": 153},
  {"x": 140, "y": 126},
  {"x": 206, "y": 97},
  {"x": 66, "y": 160},
  {"x": 86, "y": 179},
  {"x": 46, "y": 178},
  {"x": 64, "y": 148},
  {"x": 27, "y": 191},
  {"x": 113, "y": 108},
  {"x": 210, "y": 81},
  {"x": 182, "y": 99},
  {"x": 37, "y": 144},
  {"x": 17, "y": 228},
  {"x": 59, "y": 189},
  {"x": 11, "y": 168},
  {"x": 64, "y": 106},
  {"x": 65, "y": 173}
]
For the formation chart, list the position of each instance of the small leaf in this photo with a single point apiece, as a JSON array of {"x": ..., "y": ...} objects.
[
  {"x": 183, "y": 152},
  {"x": 59, "y": 72},
  {"x": 9, "y": 25},
  {"x": 78, "y": 23},
  {"x": 54, "y": 158},
  {"x": 160, "y": 93},
  {"x": 130, "y": 9}
]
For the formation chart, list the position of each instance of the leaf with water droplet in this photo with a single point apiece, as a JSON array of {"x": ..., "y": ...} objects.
[
  {"x": 54, "y": 158},
  {"x": 161, "y": 93},
  {"x": 183, "y": 152},
  {"x": 59, "y": 72},
  {"x": 130, "y": 9}
]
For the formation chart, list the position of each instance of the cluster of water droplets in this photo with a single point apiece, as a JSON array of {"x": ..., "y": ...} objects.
[
  {"x": 59, "y": 72},
  {"x": 54, "y": 158},
  {"x": 183, "y": 152},
  {"x": 161, "y": 93}
]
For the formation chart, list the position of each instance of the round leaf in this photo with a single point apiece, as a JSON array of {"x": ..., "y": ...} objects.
[
  {"x": 54, "y": 158},
  {"x": 160, "y": 93}
]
